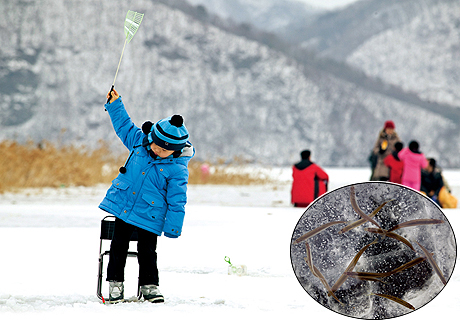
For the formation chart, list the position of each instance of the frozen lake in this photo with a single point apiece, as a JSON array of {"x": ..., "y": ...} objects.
[{"x": 50, "y": 240}]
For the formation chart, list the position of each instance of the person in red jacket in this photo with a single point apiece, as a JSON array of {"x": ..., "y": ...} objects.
[
  {"x": 395, "y": 165},
  {"x": 309, "y": 181}
]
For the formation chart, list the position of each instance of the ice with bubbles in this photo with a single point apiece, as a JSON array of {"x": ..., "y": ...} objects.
[{"x": 332, "y": 252}]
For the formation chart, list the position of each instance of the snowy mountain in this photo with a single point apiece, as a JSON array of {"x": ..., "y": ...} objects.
[
  {"x": 271, "y": 15},
  {"x": 239, "y": 98},
  {"x": 428, "y": 51},
  {"x": 409, "y": 44}
]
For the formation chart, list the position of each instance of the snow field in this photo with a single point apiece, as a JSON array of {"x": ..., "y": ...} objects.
[
  {"x": 54, "y": 270},
  {"x": 49, "y": 242}
]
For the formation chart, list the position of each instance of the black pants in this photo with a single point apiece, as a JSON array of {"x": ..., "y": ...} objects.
[{"x": 146, "y": 254}]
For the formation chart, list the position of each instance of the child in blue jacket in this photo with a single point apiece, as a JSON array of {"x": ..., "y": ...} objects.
[{"x": 149, "y": 194}]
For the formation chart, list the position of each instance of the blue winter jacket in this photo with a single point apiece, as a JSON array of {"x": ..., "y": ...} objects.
[{"x": 152, "y": 193}]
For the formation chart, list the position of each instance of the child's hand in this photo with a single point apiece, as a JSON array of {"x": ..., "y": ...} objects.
[{"x": 114, "y": 95}]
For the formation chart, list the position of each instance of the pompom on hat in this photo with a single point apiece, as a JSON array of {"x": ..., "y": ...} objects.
[
  {"x": 389, "y": 124},
  {"x": 169, "y": 133}
]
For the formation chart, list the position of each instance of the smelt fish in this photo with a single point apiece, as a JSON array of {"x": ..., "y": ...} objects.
[
  {"x": 309, "y": 258},
  {"x": 407, "y": 265},
  {"x": 317, "y": 230},
  {"x": 415, "y": 222},
  {"x": 360, "y": 274},
  {"x": 362, "y": 221},
  {"x": 350, "y": 267},
  {"x": 433, "y": 263},
  {"x": 355, "y": 206},
  {"x": 390, "y": 235},
  {"x": 315, "y": 271},
  {"x": 395, "y": 299}
]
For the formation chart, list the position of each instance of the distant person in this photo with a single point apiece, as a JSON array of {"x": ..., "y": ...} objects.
[
  {"x": 432, "y": 181},
  {"x": 414, "y": 161},
  {"x": 383, "y": 147},
  {"x": 309, "y": 181},
  {"x": 394, "y": 164},
  {"x": 205, "y": 171}
]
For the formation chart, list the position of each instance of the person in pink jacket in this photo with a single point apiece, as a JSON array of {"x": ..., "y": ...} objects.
[{"x": 414, "y": 161}]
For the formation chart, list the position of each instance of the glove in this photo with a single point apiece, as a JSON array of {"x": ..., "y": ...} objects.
[{"x": 383, "y": 146}]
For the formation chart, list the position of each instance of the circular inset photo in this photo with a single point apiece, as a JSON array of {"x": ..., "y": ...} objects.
[{"x": 373, "y": 250}]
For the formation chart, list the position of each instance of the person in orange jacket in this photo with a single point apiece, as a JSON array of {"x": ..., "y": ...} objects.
[
  {"x": 309, "y": 181},
  {"x": 394, "y": 164}
]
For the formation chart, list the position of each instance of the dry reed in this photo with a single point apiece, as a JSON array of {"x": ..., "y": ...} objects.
[
  {"x": 44, "y": 165},
  {"x": 220, "y": 174}
]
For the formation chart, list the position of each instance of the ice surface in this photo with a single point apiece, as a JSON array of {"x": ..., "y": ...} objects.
[
  {"x": 332, "y": 252},
  {"x": 49, "y": 241}
]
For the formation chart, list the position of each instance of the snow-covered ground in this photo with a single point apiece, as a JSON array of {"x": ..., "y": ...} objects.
[{"x": 49, "y": 243}]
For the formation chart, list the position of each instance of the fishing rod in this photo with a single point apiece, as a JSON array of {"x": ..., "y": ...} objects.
[{"x": 132, "y": 22}]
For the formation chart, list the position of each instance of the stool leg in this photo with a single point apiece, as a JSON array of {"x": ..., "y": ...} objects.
[{"x": 99, "y": 278}]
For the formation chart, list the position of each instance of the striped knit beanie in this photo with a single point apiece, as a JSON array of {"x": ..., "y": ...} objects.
[{"x": 169, "y": 133}]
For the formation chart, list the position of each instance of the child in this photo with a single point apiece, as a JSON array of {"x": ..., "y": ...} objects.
[
  {"x": 414, "y": 161},
  {"x": 395, "y": 165},
  {"x": 149, "y": 194}
]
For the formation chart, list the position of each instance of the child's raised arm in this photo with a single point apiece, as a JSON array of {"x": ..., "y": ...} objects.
[{"x": 125, "y": 129}]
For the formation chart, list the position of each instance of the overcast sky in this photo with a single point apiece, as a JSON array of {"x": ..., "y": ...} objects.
[
  {"x": 328, "y": 4},
  {"x": 324, "y": 4}
]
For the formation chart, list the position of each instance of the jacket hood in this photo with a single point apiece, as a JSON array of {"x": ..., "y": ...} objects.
[
  {"x": 303, "y": 164},
  {"x": 188, "y": 151}
]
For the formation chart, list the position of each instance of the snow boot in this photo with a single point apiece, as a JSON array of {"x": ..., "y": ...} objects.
[
  {"x": 152, "y": 294},
  {"x": 116, "y": 290}
]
